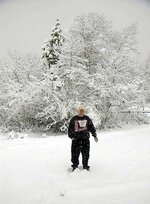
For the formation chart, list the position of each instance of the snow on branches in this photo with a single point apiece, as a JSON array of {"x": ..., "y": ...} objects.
[
  {"x": 94, "y": 66},
  {"x": 52, "y": 46}
]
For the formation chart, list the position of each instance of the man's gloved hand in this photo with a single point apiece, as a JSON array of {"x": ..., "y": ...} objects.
[{"x": 96, "y": 139}]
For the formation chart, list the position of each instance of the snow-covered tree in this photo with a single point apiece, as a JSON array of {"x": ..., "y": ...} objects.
[
  {"x": 101, "y": 70},
  {"x": 52, "y": 46},
  {"x": 146, "y": 80},
  {"x": 95, "y": 66}
]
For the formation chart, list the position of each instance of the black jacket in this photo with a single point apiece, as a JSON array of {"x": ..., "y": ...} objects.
[{"x": 80, "y": 126}]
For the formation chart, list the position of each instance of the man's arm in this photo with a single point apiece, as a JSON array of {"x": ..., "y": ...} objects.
[
  {"x": 92, "y": 129},
  {"x": 71, "y": 128}
]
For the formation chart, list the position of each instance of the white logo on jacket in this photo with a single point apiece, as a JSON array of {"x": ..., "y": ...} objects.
[{"x": 82, "y": 123}]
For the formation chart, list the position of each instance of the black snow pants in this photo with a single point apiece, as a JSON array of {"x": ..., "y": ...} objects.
[{"x": 83, "y": 146}]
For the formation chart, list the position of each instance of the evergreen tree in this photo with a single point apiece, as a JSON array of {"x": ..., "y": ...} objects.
[{"x": 52, "y": 46}]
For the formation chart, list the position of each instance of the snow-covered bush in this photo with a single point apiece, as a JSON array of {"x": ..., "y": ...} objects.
[
  {"x": 19, "y": 77},
  {"x": 146, "y": 80}
]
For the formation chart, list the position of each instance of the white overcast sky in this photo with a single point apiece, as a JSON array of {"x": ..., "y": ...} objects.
[{"x": 25, "y": 24}]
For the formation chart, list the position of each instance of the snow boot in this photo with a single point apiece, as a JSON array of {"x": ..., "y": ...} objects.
[
  {"x": 74, "y": 167},
  {"x": 87, "y": 168}
]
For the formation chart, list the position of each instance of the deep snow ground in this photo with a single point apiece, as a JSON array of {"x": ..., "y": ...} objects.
[{"x": 35, "y": 170}]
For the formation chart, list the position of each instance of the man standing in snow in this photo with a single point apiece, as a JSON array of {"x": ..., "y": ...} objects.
[{"x": 79, "y": 127}]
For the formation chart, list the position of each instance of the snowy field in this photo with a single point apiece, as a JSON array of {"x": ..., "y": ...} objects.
[{"x": 35, "y": 170}]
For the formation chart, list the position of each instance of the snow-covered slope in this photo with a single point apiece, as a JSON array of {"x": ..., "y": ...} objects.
[{"x": 35, "y": 170}]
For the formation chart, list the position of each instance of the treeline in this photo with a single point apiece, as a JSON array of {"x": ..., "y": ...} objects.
[{"x": 90, "y": 65}]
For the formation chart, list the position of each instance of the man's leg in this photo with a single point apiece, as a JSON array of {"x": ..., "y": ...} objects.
[
  {"x": 75, "y": 152},
  {"x": 85, "y": 153}
]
